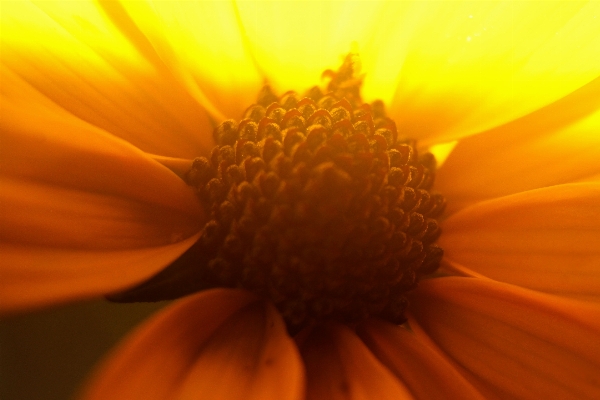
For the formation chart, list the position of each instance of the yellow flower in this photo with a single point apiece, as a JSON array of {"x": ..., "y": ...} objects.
[{"x": 99, "y": 99}]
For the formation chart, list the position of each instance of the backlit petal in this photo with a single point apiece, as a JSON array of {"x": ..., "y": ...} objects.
[
  {"x": 71, "y": 53},
  {"x": 447, "y": 69},
  {"x": 424, "y": 371},
  {"x": 557, "y": 144},
  {"x": 469, "y": 66},
  {"x": 294, "y": 42},
  {"x": 546, "y": 239},
  {"x": 198, "y": 343},
  {"x": 203, "y": 47},
  {"x": 514, "y": 343},
  {"x": 339, "y": 366}
]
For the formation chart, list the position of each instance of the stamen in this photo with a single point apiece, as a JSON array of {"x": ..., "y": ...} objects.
[{"x": 317, "y": 203}]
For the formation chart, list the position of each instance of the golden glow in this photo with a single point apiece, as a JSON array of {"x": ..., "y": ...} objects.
[
  {"x": 441, "y": 151},
  {"x": 68, "y": 31},
  {"x": 293, "y": 50},
  {"x": 205, "y": 54},
  {"x": 447, "y": 69}
]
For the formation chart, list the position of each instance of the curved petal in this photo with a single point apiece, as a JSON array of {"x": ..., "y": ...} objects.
[
  {"x": 72, "y": 54},
  {"x": 202, "y": 46},
  {"x": 339, "y": 366},
  {"x": 33, "y": 276},
  {"x": 557, "y": 144},
  {"x": 83, "y": 212},
  {"x": 45, "y": 215},
  {"x": 220, "y": 341},
  {"x": 546, "y": 239},
  {"x": 251, "y": 357},
  {"x": 50, "y": 147},
  {"x": 514, "y": 342},
  {"x": 422, "y": 368}
]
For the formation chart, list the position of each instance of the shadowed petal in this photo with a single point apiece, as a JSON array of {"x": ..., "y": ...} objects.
[
  {"x": 424, "y": 371},
  {"x": 546, "y": 239},
  {"x": 557, "y": 144},
  {"x": 220, "y": 343},
  {"x": 251, "y": 356},
  {"x": 86, "y": 66},
  {"x": 33, "y": 276},
  {"x": 514, "y": 342},
  {"x": 339, "y": 366}
]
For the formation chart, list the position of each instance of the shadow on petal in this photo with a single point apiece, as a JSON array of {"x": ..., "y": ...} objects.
[
  {"x": 340, "y": 366},
  {"x": 422, "y": 368},
  {"x": 512, "y": 342},
  {"x": 220, "y": 342},
  {"x": 546, "y": 239}
]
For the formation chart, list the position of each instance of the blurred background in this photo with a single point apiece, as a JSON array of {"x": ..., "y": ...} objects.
[{"x": 47, "y": 355}]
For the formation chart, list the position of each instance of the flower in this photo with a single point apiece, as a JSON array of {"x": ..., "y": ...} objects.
[{"x": 99, "y": 99}]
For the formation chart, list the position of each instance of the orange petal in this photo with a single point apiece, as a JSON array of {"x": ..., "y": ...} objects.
[
  {"x": 557, "y": 144},
  {"x": 422, "y": 368},
  {"x": 84, "y": 212},
  {"x": 58, "y": 149},
  {"x": 218, "y": 342},
  {"x": 513, "y": 342},
  {"x": 73, "y": 55},
  {"x": 251, "y": 356},
  {"x": 33, "y": 276},
  {"x": 546, "y": 239},
  {"x": 38, "y": 214},
  {"x": 339, "y": 366}
]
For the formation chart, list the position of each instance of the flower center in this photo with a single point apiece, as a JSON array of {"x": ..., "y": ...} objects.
[{"x": 316, "y": 203}]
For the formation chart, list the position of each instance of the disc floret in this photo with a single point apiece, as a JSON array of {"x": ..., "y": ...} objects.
[
  {"x": 320, "y": 206},
  {"x": 317, "y": 203}
]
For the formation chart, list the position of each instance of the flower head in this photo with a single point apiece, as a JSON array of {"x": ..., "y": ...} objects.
[{"x": 103, "y": 116}]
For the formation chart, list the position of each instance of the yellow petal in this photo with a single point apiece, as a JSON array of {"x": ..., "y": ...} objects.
[
  {"x": 33, "y": 276},
  {"x": 546, "y": 239},
  {"x": 557, "y": 144},
  {"x": 72, "y": 54},
  {"x": 339, "y": 366},
  {"x": 447, "y": 69},
  {"x": 202, "y": 45},
  {"x": 514, "y": 343},
  {"x": 243, "y": 342},
  {"x": 422, "y": 368},
  {"x": 464, "y": 67},
  {"x": 294, "y": 42}
]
